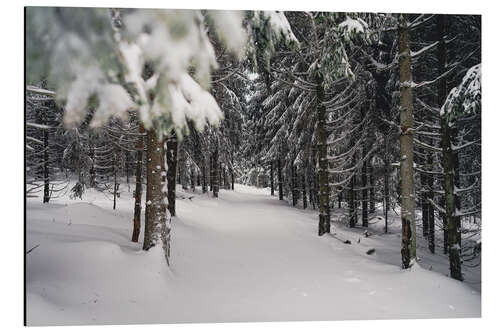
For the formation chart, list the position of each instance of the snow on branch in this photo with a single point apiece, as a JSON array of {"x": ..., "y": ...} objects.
[
  {"x": 422, "y": 19},
  {"x": 466, "y": 97},
  {"x": 423, "y": 50},
  {"x": 40, "y": 91}
]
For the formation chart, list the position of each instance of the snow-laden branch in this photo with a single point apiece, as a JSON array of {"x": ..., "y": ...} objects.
[{"x": 40, "y": 91}]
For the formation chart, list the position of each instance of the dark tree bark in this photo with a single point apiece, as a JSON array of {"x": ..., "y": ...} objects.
[
  {"x": 304, "y": 190},
  {"x": 294, "y": 186},
  {"x": 386, "y": 183},
  {"x": 430, "y": 208},
  {"x": 126, "y": 166},
  {"x": 215, "y": 180},
  {"x": 232, "y": 173},
  {"x": 312, "y": 191},
  {"x": 148, "y": 218},
  {"x": 451, "y": 221},
  {"x": 352, "y": 214},
  {"x": 211, "y": 173},
  {"x": 372, "y": 187},
  {"x": 339, "y": 198},
  {"x": 192, "y": 179},
  {"x": 450, "y": 205},
  {"x": 442, "y": 92},
  {"x": 444, "y": 221},
  {"x": 92, "y": 181},
  {"x": 115, "y": 184},
  {"x": 456, "y": 181},
  {"x": 280, "y": 180},
  {"x": 324, "y": 191},
  {"x": 408, "y": 246},
  {"x": 46, "y": 179},
  {"x": 171, "y": 155},
  {"x": 364, "y": 202},
  {"x": 138, "y": 187},
  {"x": 204, "y": 176},
  {"x": 272, "y": 179},
  {"x": 425, "y": 206}
]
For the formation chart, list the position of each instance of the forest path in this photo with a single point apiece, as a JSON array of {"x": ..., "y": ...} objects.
[
  {"x": 245, "y": 256},
  {"x": 257, "y": 258}
]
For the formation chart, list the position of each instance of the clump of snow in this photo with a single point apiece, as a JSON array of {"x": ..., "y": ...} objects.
[
  {"x": 114, "y": 101},
  {"x": 466, "y": 97},
  {"x": 229, "y": 29},
  {"x": 280, "y": 24},
  {"x": 188, "y": 100},
  {"x": 91, "y": 53},
  {"x": 352, "y": 26}
]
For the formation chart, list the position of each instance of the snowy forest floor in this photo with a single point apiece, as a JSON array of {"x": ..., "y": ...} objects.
[{"x": 245, "y": 256}]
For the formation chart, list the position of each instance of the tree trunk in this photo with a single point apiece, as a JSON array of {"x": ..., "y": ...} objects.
[
  {"x": 46, "y": 180},
  {"x": 171, "y": 155},
  {"x": 280, "y": 180},
  {"x": 204, "y": 176},
  {"x": 425, "y": 206},
  {"x": 272, "y": 179},
  {"x": 126, "y": 167},
  {"x": 364, "y": 193},
  {"x": 456, "y": 181},
  {"x": 193, "y": 178},
  {"x": 386, "y": 183},
  {"x": 148, "y": 218},
  {"x": 92, "y": 181},
  {"x": 324, "y": 191},
  {"x": 232, "y": 173},
  {"x": 430, "y": 208},
  {"x": 372, "y": 187},
  {"x": 138, "y": 187},
  {"x": 156, "y": 227},
  {"x": 450, "y": 207},
  {"x": 442, "y": 92},
  {"x": 312, "y": 177},
  {"x": 211, "y": 173},
  {"x": 450, "y": 163},
  {"x": 115, "y": 171},
  {"x": 215, "y": 180},
  {"x": 408, "y": 246},
  {"x": 444, "y": 221},
  {"x": 304, "y": 190},
  {"x": 352, "y": 216},
  {"x": 294, "y": 186}
]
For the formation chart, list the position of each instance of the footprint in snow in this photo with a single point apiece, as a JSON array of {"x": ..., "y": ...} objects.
[{"x": 352, "y": 280}]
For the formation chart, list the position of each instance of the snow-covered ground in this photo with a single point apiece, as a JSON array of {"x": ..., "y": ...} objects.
[{"x": 245, "y": 256}]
